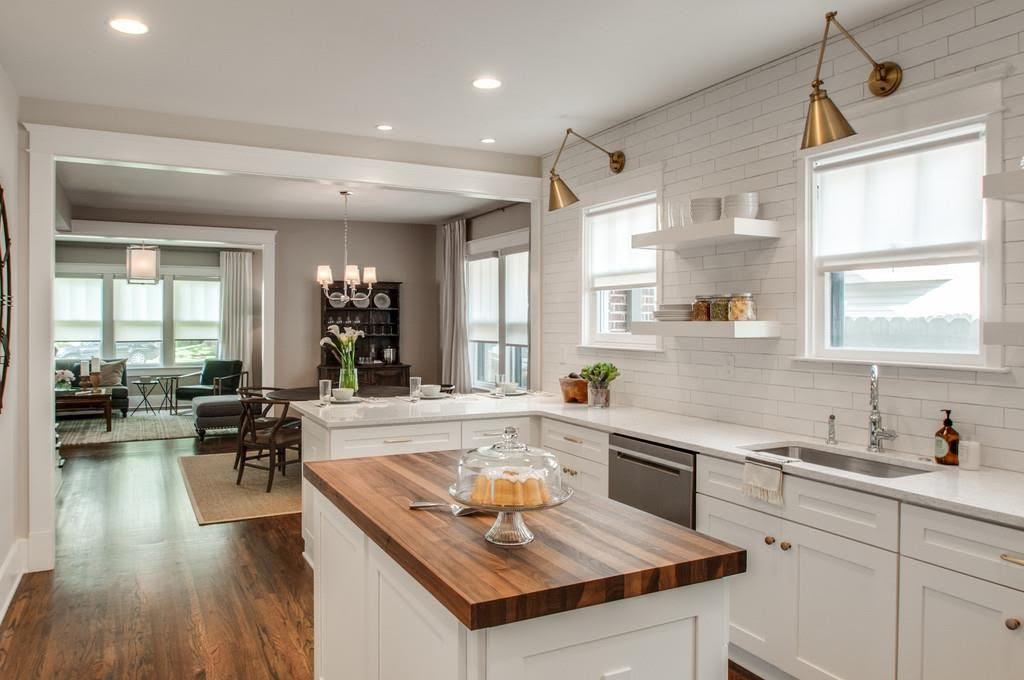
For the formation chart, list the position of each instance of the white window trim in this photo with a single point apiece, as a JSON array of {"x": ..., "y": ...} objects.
[
  {"x": 960, "y": 105},
  {"x": 109, "y": 272},
  {"x": 609, "y": 190}
]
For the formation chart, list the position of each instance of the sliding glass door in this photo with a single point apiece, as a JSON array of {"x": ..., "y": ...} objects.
[{"x": 497, "y": 317}]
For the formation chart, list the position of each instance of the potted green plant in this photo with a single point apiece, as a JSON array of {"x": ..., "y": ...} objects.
[{"x": 598, "y": 376}]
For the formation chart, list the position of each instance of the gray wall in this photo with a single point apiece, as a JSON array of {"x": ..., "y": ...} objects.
[
  {"x": 510, "y": 218},
  {"x": 81, "y": 253},
  {"x": 401, "y": 252}
]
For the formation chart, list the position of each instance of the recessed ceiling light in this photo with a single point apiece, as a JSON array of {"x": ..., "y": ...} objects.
[
  {"x": 486, "y": 83},
  {"x": 384, "y": 127},
  {"x": 129, "y": 26},
  {"x": 488, "y": 140}
]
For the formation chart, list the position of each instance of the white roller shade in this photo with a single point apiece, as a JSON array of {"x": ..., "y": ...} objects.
[
  {"x": 612, "y": 261},
  {"x": 517, "y": 299},
  {"x": 138, "y": 312},
  {"x": 77, "y": 309},
  {"x": 482, "y": 299}
]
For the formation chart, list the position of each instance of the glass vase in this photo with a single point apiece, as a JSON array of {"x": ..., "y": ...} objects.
[
  {"x": 599, "y": 397},
  {"x": 349, "y": 377}
]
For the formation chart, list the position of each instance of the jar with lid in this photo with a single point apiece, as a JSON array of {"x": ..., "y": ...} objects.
[
  {"x": 741, "y": 307},
  {"x": 702, "y": 308},
  {"x": 720, "y": 308}
]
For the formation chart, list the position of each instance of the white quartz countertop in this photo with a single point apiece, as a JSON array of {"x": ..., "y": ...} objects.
[{"x": 989, "y": 494}]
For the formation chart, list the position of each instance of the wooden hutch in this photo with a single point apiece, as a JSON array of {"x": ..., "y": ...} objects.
[{"x": 382, "y": 326}]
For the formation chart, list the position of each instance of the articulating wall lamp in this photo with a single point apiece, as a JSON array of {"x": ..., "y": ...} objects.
[
  {"x": 561, "y": 195},
  {"x": 824, "y": 121}
]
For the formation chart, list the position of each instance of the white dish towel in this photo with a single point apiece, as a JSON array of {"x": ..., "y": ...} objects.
[{"x": 763, "y": 483}]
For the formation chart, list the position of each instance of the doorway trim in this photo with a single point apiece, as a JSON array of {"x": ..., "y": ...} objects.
[{"x": 49, "y": 144}]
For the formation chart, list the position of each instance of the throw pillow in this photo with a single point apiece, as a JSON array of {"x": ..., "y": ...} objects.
[{"x": 111, "y": 373}]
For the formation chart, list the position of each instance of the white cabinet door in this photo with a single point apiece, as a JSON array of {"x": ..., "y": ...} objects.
[
  {"x": 583, "y": 474},
  {"x": 840, "y": 602},
  {"x": 314, "y": 447},
  {"x": 476, "y": 433},
  {"x": 954, "y": 626},
  {"x": 754, "y": 607}
]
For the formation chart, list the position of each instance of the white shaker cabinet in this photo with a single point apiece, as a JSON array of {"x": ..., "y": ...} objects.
[
  {"x": 811, "y": 602},
  {"x": 954, "y": 626}
]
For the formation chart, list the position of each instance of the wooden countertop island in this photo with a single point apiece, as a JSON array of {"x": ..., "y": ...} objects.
[{"x": 604, "y": 591}]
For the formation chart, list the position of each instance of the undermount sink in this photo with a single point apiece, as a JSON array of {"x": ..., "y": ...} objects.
[{"x": 840, "y": 461}]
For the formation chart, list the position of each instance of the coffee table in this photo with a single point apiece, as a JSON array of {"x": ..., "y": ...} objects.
[{"x": 74, "y": 401}]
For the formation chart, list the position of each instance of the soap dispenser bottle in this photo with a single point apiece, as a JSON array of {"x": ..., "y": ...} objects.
[{"x": 947, "y": 442}]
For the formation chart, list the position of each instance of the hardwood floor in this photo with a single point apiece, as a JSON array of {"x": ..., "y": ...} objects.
[{"x": 141, "y": 591}]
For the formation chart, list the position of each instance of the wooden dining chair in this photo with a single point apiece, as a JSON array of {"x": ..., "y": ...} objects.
[
  {"x": 261, "y": 433},
  {"x": 265, "y": 421}
]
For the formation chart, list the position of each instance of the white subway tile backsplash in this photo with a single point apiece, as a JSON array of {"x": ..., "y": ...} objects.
[{"x": 742, "y": 135}]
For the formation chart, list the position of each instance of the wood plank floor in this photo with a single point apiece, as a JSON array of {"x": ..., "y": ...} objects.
[{"x": 141, "y": 591}]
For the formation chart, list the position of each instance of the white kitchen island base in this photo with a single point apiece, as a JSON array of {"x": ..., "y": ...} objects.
[{"x": 375, "y": 621}]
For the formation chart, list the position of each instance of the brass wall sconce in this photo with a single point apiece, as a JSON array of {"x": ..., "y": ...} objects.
[
  {"x": 824, "y": 121},
  {"x": 561, "y": 195}
]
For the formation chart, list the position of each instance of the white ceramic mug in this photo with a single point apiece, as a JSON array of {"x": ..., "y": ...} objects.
[
  {"x": 344, "y": 393},
  {"x": 509, "y": 387},
  {"x": 430, "y": 390}
]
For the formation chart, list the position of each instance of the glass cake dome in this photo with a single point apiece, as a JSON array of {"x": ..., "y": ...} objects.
[{"x": 509, "y": 476}]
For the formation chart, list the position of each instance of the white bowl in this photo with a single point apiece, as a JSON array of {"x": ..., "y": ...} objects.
[
  {"x": 343, "y": 393},
  {"x": 509, "y": 387},
  {"x": 430, "y": 390},
  {"x": 749, "y": 211}
]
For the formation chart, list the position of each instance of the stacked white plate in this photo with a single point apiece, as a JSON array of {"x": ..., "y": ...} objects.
[
  {"x": 741, "y": 205},
  {"x": 681, "y": 312},
  {"x": 705, "y": 209}
]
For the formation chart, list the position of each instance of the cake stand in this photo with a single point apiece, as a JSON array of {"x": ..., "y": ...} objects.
[{"x": 509, "y": 529}]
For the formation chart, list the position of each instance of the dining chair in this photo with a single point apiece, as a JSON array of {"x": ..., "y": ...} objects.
[
  {"x": 265, "y": 421},
  {"x": 261, "y": 432}
]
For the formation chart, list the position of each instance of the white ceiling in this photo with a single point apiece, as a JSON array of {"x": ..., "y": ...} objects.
[
  {"x": 127, "y": 188},
  {"x": 346, "y": 66}
]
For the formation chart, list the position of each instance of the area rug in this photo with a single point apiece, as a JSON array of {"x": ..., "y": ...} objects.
[
  {"x": 216, "y": 498},
  {"x": 139, "y": 427}
]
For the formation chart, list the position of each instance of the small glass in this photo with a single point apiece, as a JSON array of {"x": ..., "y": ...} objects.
[
  {"x": 325, "y": 392},
  {"x": 414, "y": 388},
  {"x": 499, "y": 390}
]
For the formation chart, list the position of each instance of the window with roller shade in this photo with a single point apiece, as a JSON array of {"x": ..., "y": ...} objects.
[
  {"x": 497, "y": 317},
  {"x": 620, "y": 282},
  {"x": 899, "y": 278},
  {"x": 78, "y": 317},
  {"x": 196, "y": 320},
  {"x": 139, "y": 322}
]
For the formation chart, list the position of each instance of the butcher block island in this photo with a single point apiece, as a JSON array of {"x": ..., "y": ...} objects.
[{"x": 605, "y": 592}]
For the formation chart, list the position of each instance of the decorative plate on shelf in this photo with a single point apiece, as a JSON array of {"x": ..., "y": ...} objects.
[
  {"x": 382, "y": 300},
  {"x": 362, "y": 303}
]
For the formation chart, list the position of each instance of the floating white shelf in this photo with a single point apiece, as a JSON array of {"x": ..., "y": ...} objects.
[
  {"x": 1006, "y": 186},
  {"x": 708, "y": 329},
  {"x": 1003, "y": 333},
  {"x": 729, "y": 230}
]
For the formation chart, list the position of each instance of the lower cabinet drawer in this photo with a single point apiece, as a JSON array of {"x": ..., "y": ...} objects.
[
  {"x": 579, "y": 441},
  {"x": 486, "y": 432},
  {"x": 583, "y": 474},
  {"x": 723, "y": 479},
  {"x": 987, "y": 551},
  {"x": 384, "y": 441}
]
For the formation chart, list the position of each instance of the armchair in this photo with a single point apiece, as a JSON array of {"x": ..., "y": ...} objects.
[{"x": 217, "y": 377}]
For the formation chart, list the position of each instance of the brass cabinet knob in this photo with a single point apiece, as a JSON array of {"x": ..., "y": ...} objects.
[
  {"x": 785, "y": 545},
  {"x": 1013, "y": 624},
  {"x": 569, "y": 471},
  {"x": 769, "y": 540}
]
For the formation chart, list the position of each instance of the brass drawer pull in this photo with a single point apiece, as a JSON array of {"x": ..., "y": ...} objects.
[
  {"x": 572, "y": 440},
  {"x": 397, "y": 441},
  {"x": 1013, "y": 624},
  {"x": 569, "y": 471},
  {"x": 1013, "y": 559},
  {"x": 785, "y": 545},
  {"x": 769, "y": 540}
]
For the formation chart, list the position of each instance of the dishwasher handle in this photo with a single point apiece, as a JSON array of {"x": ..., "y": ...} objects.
[{"x": 651, "y": 461}]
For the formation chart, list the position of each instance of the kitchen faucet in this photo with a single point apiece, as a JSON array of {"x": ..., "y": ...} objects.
[{"x": 876, "y": 432}]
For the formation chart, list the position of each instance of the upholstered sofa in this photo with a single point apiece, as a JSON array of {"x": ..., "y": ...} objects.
[{"x": 118, "y": 393}]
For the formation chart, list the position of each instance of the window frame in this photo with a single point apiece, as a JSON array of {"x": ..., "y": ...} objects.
[
  {"x": 500, "y": 253},
  {"x": 814, "y": 300},
  {"x": 108, "y": 273},
  {"x": 607, "y": 192}
]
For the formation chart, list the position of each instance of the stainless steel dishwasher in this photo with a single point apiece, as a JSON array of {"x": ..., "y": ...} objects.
[{"x": 655, "y": 478}]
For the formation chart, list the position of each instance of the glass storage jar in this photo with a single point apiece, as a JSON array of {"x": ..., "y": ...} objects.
[
  {"x": 702, "y": 308},
  {"x": 720, "y": 308},
  {"x": 509, "y": 475},
  {"x": 741, "y": 307}
]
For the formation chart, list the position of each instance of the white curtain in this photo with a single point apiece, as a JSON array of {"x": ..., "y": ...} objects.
[
  {"x": 454, "y": 339},
  {"x": 236, "y": 307}
]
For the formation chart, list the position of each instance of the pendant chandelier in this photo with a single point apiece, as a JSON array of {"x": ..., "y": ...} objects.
[
  {"x": 348, "y": 292},
  {"x": 143, "y": 264}
]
